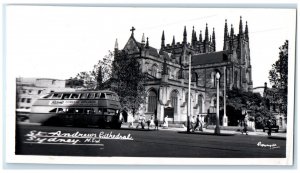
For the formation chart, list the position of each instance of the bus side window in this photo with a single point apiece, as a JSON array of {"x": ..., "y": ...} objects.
[
  {"x": 60, "y": 110},
  {"x": 104, "y": 110},
  {"x": 47, "y": 96},
  {"x": 108, "y": 96},
  {"x": 84, "y": 95},
  {"x": 89, "y": 111},
  {"x": 100, "y": 111},
  {"x": 70, "y": 110},
  {"x": 53, "y": 110},
  {"x": 56, "y": 96},
  {"x": 91, "y": 95},
  {"x": 97, "y": 95},
  {"x": 66, "y": 96},
  {"x": 111, "y": 111},
  {"x": 79, "y": 111},
  {"x": 102, "y": 96},
  {"x": 74, "y": 96}
]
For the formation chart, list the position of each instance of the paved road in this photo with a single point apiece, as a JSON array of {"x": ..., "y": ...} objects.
[{"x": 71, "y": 141}]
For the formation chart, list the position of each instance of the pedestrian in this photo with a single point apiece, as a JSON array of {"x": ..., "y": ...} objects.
[
  {"x": 245, "y": 129},
  {"x": 269, "y": 125},
  {"x": 201, "y": 123},
  {"x": 165, "y": 125},
  {"x": 192, "y": 122},
  {"x": 156, "y": 123},
  {"x": 148, "y": 123},
  {"x": 197, "y": 122},
  {"x": 152, "y": 121},
  {"x": 141, "y": 122},
  {"x": 130, "y": 120}
]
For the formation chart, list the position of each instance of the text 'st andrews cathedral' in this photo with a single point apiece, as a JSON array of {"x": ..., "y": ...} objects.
[{"x": 167, "y": 69}]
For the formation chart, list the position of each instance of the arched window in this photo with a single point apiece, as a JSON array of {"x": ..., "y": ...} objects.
[
  {"x": 152, "y": 101},
  {"x": 174, "y": 100},
  {"x": 200, "y": 101},
  {"x": 154, "y": 70},
  {"x": 236, "y": 79},
  {"x": 213, "y": 79},
  {"x": 194, "y": 77}
]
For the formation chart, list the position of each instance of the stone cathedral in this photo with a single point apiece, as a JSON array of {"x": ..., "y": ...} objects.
[{"x": 167, "y": 69}]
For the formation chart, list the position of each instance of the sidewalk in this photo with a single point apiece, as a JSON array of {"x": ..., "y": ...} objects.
[{"x": 211, "y": 131}]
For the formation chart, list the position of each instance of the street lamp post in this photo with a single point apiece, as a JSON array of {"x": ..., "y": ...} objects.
[
  {"x": 217, "y": 129},
  {"x": 189, "y": 95},
  {"x": 225, "y": 120}
]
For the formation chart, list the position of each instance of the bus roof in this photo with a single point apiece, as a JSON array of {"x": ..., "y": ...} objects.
[{"x": 81, "y": 91}]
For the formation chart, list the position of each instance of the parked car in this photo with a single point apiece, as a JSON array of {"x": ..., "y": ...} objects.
[{"x": 274, "y": 127}]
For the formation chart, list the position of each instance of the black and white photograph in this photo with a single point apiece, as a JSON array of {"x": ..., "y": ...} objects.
[{"x": 134, "y": 85}]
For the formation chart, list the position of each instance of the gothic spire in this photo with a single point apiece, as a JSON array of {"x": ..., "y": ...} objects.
[
  {"x": 163, "y": 40},
  {"x": 231, "y": 31},
  {"x": 200, "y": 36},
  {"x": 213, "y": 35},
  {"x": 116, "y": 44},
  {"x": 193, "y": 35},
  {"x": 184, "y": 35},
  {"x": 246, "y": 31},
  {"x": 143, "y": 39},
  {"x": 147, "y": 43},
  {"x": 214, "y": 39},
  {"x": 241, "y": 26},
  {"x": 206, "y": 34},
  {"x": 173, "y": 42},
  {"x": 225, "y": 30}
]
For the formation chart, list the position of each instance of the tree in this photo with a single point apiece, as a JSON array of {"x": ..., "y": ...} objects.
[
  {"x": 278, "y": 76},
  {"x": 96, "y": 78},
  {"x": 239, "y": 100},
  {"x": 128, "y": 81},
  {"x": 103, "y": 70}
]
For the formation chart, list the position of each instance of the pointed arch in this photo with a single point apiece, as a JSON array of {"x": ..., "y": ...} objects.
[
  {"x": 194, "y": 77},
  {"x": 152, "y": 100},
  {"x": 200, "y": 103},
  {"x": 154, "y": 70},
  {"x": 174, "y": 100}
]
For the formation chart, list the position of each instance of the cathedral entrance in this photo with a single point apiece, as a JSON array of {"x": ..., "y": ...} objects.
[{"x": 169, "y": 111}]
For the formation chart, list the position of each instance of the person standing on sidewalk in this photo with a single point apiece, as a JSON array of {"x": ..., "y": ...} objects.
[
  {"x": 166, "y": 124},
  {"x": 152, "y": 121},
  {"x": 156, "y": 123},
  {"x": 201, "y": 123},
  {"x": 197, "y": 123},
  {"x": 269, "y": 125},
  {"x": 130, "y": 120},
  {"x": 192, "y": 124},
  {"x": 245, "y": 129}
]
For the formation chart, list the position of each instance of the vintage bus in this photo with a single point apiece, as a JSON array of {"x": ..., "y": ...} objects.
[{"x": 80, "y": 108}]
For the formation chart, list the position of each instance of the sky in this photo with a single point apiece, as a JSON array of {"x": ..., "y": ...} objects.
[{"x": 61, "y": 41}]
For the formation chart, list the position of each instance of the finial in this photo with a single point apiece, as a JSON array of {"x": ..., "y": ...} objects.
[
  {"x": 241, "y": 26},
  {"x": 116, "y": 44},
  {"x": 206, "y": 33},
  {"x": 163, "y": 39},
  {"x": 184, "y": 35},
  {"x": 147, "y": 43},
  {"x": 143, "y": 39},
  {"x": 173, "y": 42},
  {"x": 200, "y": 36},
  {"x": 132, "y": 30}
]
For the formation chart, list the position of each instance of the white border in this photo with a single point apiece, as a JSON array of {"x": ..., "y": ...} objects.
[{"x": 10, "y": 122}]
